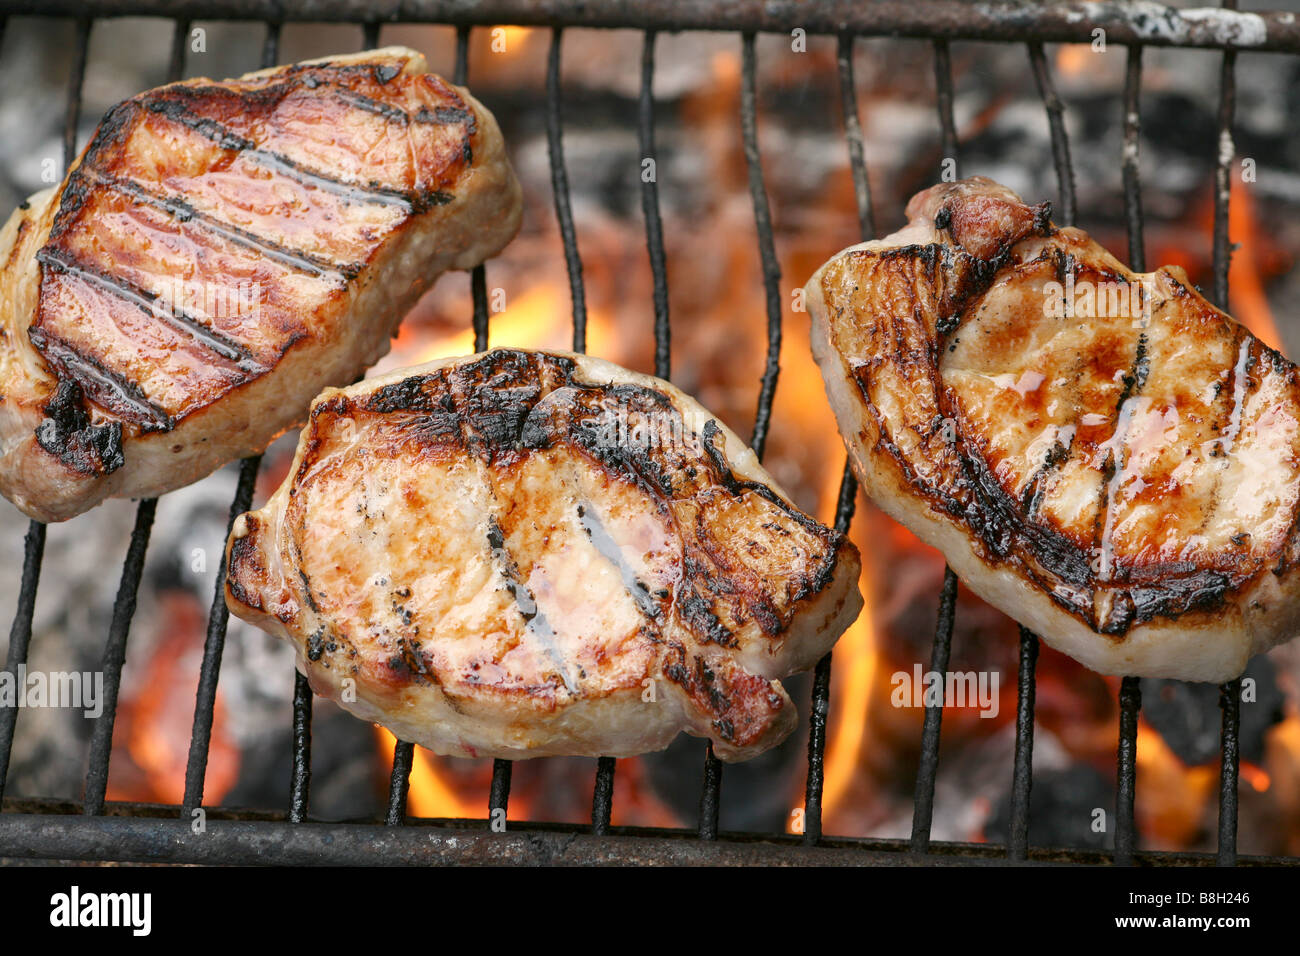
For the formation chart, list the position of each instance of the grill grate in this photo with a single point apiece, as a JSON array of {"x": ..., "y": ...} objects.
[{"x": 42, "y": 829}]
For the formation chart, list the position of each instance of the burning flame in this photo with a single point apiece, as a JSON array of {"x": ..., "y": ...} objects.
[
  {"x": 855, "y": 658},
  {"x": 1073, "y": 59},
  {"x": 430, "y": 795},
  {"x": 1174, "y": 820},
  {"x": 1246, "y": 295},
  {"x": 540, "y": 318},
  {"x": 153, "y": 723}
]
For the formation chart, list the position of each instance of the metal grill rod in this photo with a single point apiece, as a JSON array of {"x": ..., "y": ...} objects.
[
  {"x": 1230, "y": 692},
  {"x": 1154, "y": 24},
  {"x": 927, "y": 769},
  {"x": 219, "y": 615},
  {"x": 846, "y": 500},
  {"x": 101, "y": 740}
]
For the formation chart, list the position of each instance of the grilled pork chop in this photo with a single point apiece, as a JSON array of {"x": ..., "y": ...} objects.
[
  {"x": 1104, "y": 456},
  {"x": 520, "y": 554},
  {"x": 219, "y": 253}
]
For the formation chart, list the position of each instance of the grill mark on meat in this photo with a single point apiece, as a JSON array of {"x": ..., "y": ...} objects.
[
  {"x": 66, "y": 262},
  {"x": 263, "y": 245},
  {"x": 1240, "y": 382},
  {"x": 438, "y": 116},
  {"x": 106, "y": 388},
  {"x": 167, "y": 103},
  {"x": 609, "y": 549},
  {"x": 1113, "y": 472},
  {"x": 535, "y": 621}
]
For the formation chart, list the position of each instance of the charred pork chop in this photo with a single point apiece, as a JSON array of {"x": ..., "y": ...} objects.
[
  {"x": 520, "y": 554},
  {"x": 1102, "y": 455},
  {"x": 221, "y": 252}
]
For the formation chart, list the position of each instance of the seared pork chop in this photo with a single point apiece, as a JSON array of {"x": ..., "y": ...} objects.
[
  {"x": 221, "y": 252},
  {"x": 1103, "y": 456},
  {"x": 521, "y": 554}
]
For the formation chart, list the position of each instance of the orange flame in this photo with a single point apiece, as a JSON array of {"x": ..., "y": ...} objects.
[
  {"x": 1174, "y": 821},
  {"x": 431, "y": 795},
  {"x": 153, "y": 723},
  {"x": 1246, "y": 293}
]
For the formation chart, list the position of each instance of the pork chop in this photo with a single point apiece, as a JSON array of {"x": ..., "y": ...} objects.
[
  {"x": 521, "y": 554},
  {"x": 1102, "y": 455},
  {"x": 218, "y": 254}
]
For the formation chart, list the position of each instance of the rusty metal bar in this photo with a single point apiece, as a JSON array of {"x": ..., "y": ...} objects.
[
  {"x": 72, "y": 113},
  {"x": 1229, "y": 769},
  {"x": 1223, "y": 177},
  {"x": 1056, "y": 123},
  {"x": 766, "y": 244},
  {"x": 399, "y": 783},
  {"x": 1137, "y": 258},
  {"x": 271, "y": 43},
  {"x": 853, "y": 135},
  {"x": 499, "y": 797},
  {"x": 928, "y": 769},
  {"x": 176, "y": 65},
  {"x": 1130, "y": 704},
  {"x": 20, "y": 635},
  {"x": 219, "y": 615},
  {"x": 560, "y": 188},
  {"x": 943, "y": 96},
  {"x": 710, "y": 795},
  {"x": 300, "y": 781},
  {"x": 101, "y": 740},
  {"x": 1230, "y": 692},
  {"x": 846, "y": 500},
  {"x": 213, "y": 648},
  {"x": 478, "y": 276},
  {"x": 654, "y": 229},
  {"x": 1022, "y": 774},
  {"x": 1155, "y": 24},
  {"x": 821, "y": 705},
  {"x": 602, "y": 798}
]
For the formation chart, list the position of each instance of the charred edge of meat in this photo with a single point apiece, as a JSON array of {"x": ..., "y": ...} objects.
[
  {"x": 246, "y": 563},
  {"x": 727, "y": 478},
  {"x": 67, "y": 433},
  {"x": 717, "y": 695},
  {"x": 101, "y": 385}
]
